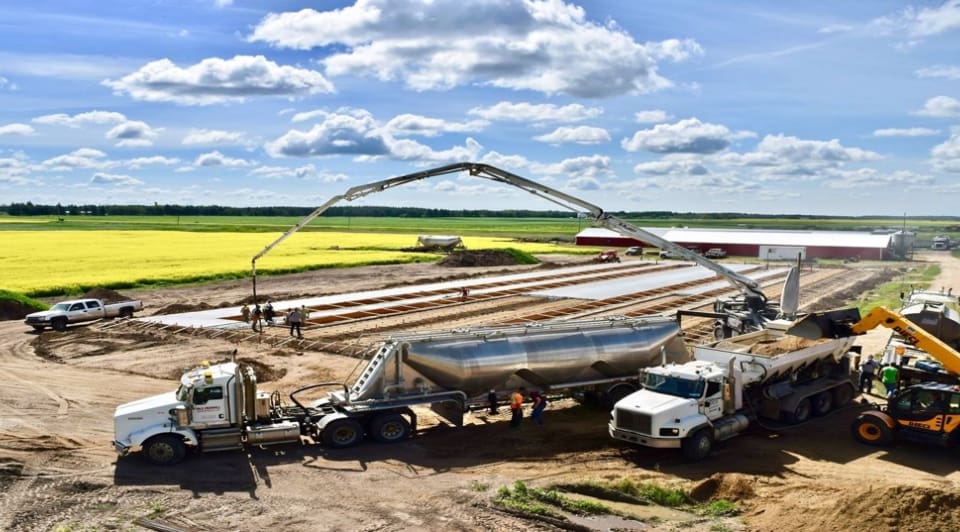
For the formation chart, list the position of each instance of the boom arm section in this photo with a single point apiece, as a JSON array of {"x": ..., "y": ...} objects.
[
  {"x": 573, "y": 203},
  {"x": 847, "y": 322}
]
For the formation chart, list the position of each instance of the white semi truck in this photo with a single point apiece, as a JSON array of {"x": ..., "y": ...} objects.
[
  {"x": 729, "y": 385},
  {"x": 220, "y": 407}
]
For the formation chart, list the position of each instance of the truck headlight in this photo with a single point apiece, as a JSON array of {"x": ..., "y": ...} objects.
[{"x": 669, "y": 432}]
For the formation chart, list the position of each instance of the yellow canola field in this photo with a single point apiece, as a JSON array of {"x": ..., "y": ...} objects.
[{"x": 39, "y": 262}]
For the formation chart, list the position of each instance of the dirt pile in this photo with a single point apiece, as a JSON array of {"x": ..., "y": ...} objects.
[
  {"x": 13, "y": 310},
  {"x": 106, "y": 295},
  {"x": 481, "y": 257},
  {"x": 903, "y": 508},
  {"x": 179, "y": 308},
  {"x": 783, "y": 345},
  {"x": 730, "y": 487}
]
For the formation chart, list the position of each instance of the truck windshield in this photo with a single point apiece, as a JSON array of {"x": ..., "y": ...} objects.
[
  {"x": 60, "y": 306},
  {"x": 687, "y": 388}
]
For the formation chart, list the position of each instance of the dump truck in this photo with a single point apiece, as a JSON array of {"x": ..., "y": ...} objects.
[
  {"x": 221, "y": 407},
  {"x": 79, "y": 311},
  {"x": 731, "y": 384}
]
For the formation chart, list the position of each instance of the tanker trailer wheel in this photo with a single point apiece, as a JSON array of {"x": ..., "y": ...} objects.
[
  {"x": 389, "y": 428},
  {"x": 871, "y": 430},
  {"x": 698, "y": 446},
  {"x": 822, "y": 403},
  {"x": 842, "y": 395},
  {"x": 801, "y": 413},
  {"x": 164, "y": 449},
  {"x": 342, "y": 433},
  {"x": 617, "y": 392}
]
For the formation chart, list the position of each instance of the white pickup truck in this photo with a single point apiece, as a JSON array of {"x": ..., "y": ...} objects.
[{"x": 78, "y": 311}]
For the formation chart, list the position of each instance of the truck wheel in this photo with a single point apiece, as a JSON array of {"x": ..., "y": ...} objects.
[
  {"x": 616, "y": 393},
  {"x": 342, "y": 433},
  {"x": 389, "y": 428},
  {"x": 822, "y": 403},
  {"x": 801, "y": 413},
  {"x": 37, "y": 327},
  {"x": 872, "y": 431},
  {"x": 721, "y": 332},
  {"x": 126, "y": 312},
  {"x": 842, "y": 395},
  {"x": 59, "y": 324},
  {"x": 164, "y": 449},
  {"x": 698, "y": 446}
]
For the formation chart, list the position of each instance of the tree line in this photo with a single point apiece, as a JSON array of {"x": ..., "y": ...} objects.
[{"x": 33, "y": 209}]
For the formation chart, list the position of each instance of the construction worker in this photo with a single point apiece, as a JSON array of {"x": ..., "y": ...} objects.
[
  {"x": 245, "y": 313},
  {"x": 539, "y": 404},
  {"x": 888, "y": 376},
  {"x": 257, "y": 314},
  {"x": 868, "y": 372},
  {"x": 516, "y": 408},
  {"x": 293, "y": 320},
  {"x": 304, "y": 313}
]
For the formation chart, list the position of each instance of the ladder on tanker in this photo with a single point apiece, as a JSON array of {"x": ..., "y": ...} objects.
[{"x": 375, "y": 366}]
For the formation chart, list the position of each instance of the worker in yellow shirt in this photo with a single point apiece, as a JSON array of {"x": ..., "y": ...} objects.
[{"x": 516, "y": 408}]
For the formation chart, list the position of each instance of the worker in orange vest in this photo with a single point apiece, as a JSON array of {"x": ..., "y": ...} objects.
[{"x": 516, "y": 408}]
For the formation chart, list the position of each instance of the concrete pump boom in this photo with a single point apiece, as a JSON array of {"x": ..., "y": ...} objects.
[{"x": 747, "y": 286}]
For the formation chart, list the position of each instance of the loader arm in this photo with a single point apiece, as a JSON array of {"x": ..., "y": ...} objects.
[
  {"x": 847, "y": 322},
  {"x": 919, "y": 338},
  {"x": 746, "y": 285}
]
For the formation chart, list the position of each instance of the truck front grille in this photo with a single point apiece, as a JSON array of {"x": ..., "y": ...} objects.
[{"x": 633, "y": 421}]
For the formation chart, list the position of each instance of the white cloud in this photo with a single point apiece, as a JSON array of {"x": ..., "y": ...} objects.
[
  {"x": 536, "y": 113},
  {"x": 946, "y": 156},
  {"x": 13, "y": 171},
  {"x": 223, "y": 3},
  {"x": 6, "y": 84},
  {"x": 686, "y": 136},
  {"x": 119, "y": 180},
  {"x": 81, "y": 158},
  {"x": 410, "y": 124},
  {"x": 939, "y": 71},
  {"x": 669, "y": 166},
  {"x": 547, "y": 46},
  {"x": 591, "y": 166},
  {"x": 215, "y": 158},
  {"x": 80, "y": 119},
  {"x": 652, "y": 116},
  {"x": 925, "y": 22},
  {"x": 578, "y": 134},
  {"x": 409, "y": 150},
  {"x": 132, "y": 133},
  {"x": 940, "y": 107},
  {"x": 356, "y": 133},
  {"x": 16, "y": 129},
  {"x": 906, "y": 132},
  {"x": 215, "y": 80},
  {"x": 870, "y": 178},
  {"x": 307, "y": 171},
  {"x": 780, "y": 156},
  {"x": 140, "y": 162},
  {"x": 213, "y": 136},
  {"x": 836, "y": 28},
  {"x": 583, "y": 183}
]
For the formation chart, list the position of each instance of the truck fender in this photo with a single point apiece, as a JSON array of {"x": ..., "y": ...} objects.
[
  {"x": 697, "y": 425},
  {"x": 882, "y": 416},
  {"x": 137, "y": 438},
  {"x": 326, "y": 420}
]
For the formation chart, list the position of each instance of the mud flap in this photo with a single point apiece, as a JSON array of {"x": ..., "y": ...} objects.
[
  {"x": 450, "y": 410},
  {"x": 829, "y": 324}
]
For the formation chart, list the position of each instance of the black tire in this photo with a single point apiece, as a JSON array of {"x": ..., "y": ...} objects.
[
  {"x": 721, "y": 332},
  {"x": 389, "y": 428},
  {"x": 59, "y": 324},
  {"x": 616, "y": 393},
  {"x": 38, "y": 327},
  {"x": 342, "y": 433},
  {"x": 698, "y": 446},
  {"x": 165, "y": 449},
  {"x": 842, "y": 395},
  {"x": 126, "y": 312},
  {"x": 801, "y": 412},
  {"x": 821, "y": 403},
  {"x": 871, "y": 430}
]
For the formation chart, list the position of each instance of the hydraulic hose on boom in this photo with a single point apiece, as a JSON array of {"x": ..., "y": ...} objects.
[{"x": 744, "y": 284}]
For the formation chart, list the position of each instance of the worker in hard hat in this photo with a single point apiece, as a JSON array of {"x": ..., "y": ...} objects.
[{"x": 516, "y": 408}]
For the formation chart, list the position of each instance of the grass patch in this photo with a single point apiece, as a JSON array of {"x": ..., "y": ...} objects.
[
  {"x": 888, "y": 294},
  {"x": 6, "y": 295},
  {"x": 522, "y": 257},
  {"x": 545, "y": 501},
  {"x": 719, "y": 508},
  {"x": 626, "y": 490}
]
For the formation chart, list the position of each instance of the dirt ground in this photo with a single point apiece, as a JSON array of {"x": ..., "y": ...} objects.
[{"x": 58, "y": 467}]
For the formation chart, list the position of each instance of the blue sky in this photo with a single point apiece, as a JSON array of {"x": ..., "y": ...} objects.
[{"x": 838, "y": 108}]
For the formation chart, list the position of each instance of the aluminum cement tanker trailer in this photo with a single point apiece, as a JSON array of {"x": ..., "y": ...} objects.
[{"x": 219, "y": 407}]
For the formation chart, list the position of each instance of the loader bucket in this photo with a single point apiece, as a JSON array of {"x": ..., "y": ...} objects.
[{"x": 829, "y": 324}]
